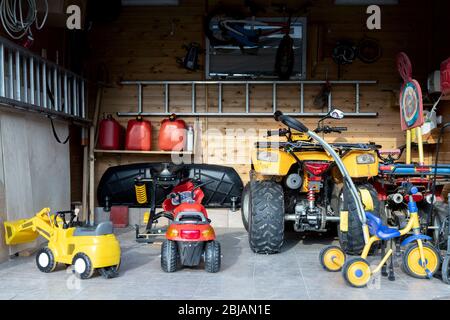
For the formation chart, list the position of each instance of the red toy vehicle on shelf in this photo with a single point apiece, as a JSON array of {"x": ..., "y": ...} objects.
[{"x": 189, "y": 237}]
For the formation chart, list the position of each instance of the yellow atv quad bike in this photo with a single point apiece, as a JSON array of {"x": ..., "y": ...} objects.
[
  {"x": 297, "y": 181},
  {"x": 86, "y": 249}
]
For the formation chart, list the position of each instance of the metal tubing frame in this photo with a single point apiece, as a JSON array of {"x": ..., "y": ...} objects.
[{"x": 220, "y": 84}]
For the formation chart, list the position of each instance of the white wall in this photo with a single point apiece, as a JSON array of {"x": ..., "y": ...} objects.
[{"x": 35, "y": 168}]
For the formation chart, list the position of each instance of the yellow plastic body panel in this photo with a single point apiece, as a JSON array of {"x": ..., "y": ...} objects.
[
  {"x": 104, "y": 251},
  {"x": 285, "y": 162},
  {"x": 14, "y": 235},
  {"x": 360, "y": 170}
]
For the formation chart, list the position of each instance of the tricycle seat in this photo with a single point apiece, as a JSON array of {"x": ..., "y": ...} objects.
[
  {"x": 377, "y": 228},
  {"x": 102, "y": 229}
]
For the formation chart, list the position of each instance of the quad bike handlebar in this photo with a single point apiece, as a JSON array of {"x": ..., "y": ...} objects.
[
  {"x": 290, "y": 122},
  {"x": 328, "y": 129}
]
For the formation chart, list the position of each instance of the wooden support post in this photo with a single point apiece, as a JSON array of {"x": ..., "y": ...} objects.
[
  {"x": 92, "y": 141},
  {"x": 408, "y": 146},
  {"x": 420, "y": 145}
]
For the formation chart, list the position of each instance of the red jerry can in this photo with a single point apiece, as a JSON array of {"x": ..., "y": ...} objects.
[
  {"x": 110, "y": 134},
  {"x": 139, "y": 135},
  {"x": 172, "y": 135}
]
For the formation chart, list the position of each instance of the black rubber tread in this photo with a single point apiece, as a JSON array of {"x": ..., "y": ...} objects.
[
  {"x": 266, "y": 221},
  {"x": 169, "y": 256},
  {"x": 52, "y": 263},
  {"x": 411, "y": 247},
  {"x": 110, "y": 272},
  {"x": 345, "y": 270},
  {"x": 89, "y": 272},
  {"x": 352, "y": 242},
  {"x": 446, "y": 270},
  {"x": 245, "y": 210},
  {"x": 212, "y": 257}
]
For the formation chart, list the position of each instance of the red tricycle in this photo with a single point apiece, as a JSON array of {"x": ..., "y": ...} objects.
[{"x": 189, "y": 237}]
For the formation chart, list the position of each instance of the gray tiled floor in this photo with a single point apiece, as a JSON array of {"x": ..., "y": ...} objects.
[{"x": 293, "y": 274}]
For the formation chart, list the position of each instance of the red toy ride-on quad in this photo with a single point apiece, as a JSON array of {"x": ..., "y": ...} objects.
[{"x": 189, "y": 237}]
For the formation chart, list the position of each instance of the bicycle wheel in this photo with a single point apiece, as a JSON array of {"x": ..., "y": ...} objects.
[{"x": 284, "y": 63}]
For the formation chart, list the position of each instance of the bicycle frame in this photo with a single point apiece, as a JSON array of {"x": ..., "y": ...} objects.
[
  {"x": 414, "y": 225},
  {"x": 242, "y": 35}
]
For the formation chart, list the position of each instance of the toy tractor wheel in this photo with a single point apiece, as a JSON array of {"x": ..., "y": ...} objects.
[
  {"x": 82, "y": 266},
  {"x": 332, "y": 258},
  {"x": 212, "y": 257},
  {"x": 412, "y": 263},
  {"x": 266, "y": 217},
  {"x": 245, "y": 208},
  {"x": 352, "y": 239},
  {"x": 169, "y": 256},
  {"x": 446, "y": 270},
  {"x": 356, "y": 272},
  {"x": 45, "y": 260},
  {"x": 109, "y": 272}
]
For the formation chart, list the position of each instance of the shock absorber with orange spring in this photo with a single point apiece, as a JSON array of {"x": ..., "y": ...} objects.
[{"x": 311, "y": 197}]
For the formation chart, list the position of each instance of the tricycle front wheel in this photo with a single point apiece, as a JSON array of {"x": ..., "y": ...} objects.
[{"x": 412, "y": 263}]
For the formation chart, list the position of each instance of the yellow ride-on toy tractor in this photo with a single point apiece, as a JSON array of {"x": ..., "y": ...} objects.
[
  {"x": 86, "y": 249},
  {"x": 297, "y": 181}
]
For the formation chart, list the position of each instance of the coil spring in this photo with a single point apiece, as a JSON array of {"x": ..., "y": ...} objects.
[
  {"x": 141, "y": 193},
  {"x": 311, "y": 196}
]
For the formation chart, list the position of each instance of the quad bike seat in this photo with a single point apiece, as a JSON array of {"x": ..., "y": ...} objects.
[
  {"x": 102, "y": 229},
  {"x": 377, "y": 228}
]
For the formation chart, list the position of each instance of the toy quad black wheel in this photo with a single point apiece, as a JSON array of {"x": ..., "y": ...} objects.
[
  {"x": 446, "y": 270},
  {"x": 266, "y": 217},
  {"x": 82, "y": 266},
  {"x": 170, "y": 260},
  {"x": 352, "y": 241},
  {"x": 45, "y": 260},
  {"x": 412, "y": 264},
  {"x": 212, "y": 257},
  {"x": 109, "y": 272}
]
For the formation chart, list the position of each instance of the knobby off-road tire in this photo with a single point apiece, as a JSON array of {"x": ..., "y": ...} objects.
[
  {"x": 170, "y": 261},
  {"x": 212, "y": 257},
  {"x": 352, "y": 242},
  {"x": 245, "y": 205},
  {"x": 266, "y": 218}
]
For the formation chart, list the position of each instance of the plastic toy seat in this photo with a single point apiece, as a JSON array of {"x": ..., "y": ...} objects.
[
  {"x": 102, "y": 229},
  {"x": 377, "y": 228}
]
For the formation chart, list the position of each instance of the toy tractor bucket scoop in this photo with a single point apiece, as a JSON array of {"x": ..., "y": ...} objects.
[{"x": 18, "y": 232}]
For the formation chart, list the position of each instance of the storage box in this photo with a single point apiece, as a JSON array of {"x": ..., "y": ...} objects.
[{"x": 119, "y": 216}]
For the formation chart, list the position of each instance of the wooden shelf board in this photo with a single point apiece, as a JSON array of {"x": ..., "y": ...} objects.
[{"x": 144, "y": 152}]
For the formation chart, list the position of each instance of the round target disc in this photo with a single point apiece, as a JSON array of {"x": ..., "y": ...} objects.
[{"x": 411, "y": 105}]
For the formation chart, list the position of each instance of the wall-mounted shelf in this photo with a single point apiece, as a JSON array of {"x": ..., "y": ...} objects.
[{"x": 131, "y": 152}]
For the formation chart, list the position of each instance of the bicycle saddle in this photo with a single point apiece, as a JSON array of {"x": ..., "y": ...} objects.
[{"x": 377, "y": 228}]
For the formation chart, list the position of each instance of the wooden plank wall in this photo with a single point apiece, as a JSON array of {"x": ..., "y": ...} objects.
[{"x": 144, "y": 42}]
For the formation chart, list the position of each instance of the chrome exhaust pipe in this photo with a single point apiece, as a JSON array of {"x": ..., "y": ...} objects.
[
  {"x": 396, "y": 198},
  {"x": 430, "y": 199}
]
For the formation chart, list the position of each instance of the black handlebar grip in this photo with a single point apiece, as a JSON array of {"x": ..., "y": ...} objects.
[
  {"x": 340, "y": 128},
  {"x": 290, "y": 122}
]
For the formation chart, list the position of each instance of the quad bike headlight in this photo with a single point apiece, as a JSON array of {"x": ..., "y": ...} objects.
[
  {"x": 365, "y": 159},
  {"x": 267, "y": 156}
]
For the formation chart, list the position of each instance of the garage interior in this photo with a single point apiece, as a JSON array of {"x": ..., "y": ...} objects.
[{"x": 127, "y": 61}]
